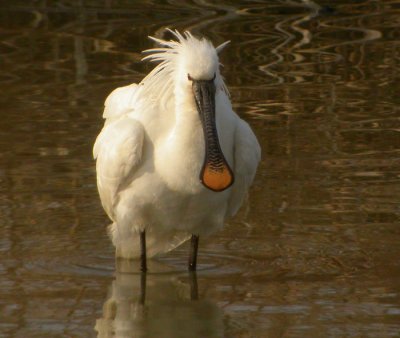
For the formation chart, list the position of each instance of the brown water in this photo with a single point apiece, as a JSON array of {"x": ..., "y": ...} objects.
[{"x": 316, "y": 253}]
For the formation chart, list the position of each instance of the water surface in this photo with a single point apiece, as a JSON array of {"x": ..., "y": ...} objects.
[{"x": 314, "y": 253}]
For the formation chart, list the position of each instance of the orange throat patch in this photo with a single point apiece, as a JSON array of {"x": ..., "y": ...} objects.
[{"x": 217, "y": 179}]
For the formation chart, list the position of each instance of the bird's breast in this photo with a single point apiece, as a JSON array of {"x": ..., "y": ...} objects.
[{"x": 179, "y": 158}]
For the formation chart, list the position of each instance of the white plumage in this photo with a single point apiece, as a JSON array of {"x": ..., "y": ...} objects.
[{"x": 151, "y": 163}]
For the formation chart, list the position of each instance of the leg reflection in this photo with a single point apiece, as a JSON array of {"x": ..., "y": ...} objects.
[
  {"x": 143, "y": 278},
  {"x": 157, "y": 304},
  {"x": 194, "y": 288}
]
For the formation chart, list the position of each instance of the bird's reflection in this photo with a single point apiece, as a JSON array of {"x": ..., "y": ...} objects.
[{"x": 157, "y": 304}]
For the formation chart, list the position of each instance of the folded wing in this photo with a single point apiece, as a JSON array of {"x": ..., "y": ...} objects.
[
  {"x": 247, "y": 155},
  {"x": 118, "y": 148}
]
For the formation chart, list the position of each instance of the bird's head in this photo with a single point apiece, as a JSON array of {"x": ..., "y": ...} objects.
[
  {"x": 193, "y": 64},
  {"x": 198, "y": 59}
]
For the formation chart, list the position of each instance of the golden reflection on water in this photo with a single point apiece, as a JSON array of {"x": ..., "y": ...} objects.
[
  {"x": 157, "y": 304},
  {"x": 316, "y": 250}
]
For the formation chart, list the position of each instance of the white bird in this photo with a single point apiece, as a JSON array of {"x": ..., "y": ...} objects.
[{"x": 173, "y": 159}]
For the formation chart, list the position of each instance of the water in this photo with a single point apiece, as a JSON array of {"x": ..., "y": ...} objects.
[{"x": 315, "y": 253}]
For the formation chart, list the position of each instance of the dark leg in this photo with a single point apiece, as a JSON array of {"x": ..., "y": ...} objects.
[
  {"x": 194, "y": 245},
  {"x": 143, "y": 262}
]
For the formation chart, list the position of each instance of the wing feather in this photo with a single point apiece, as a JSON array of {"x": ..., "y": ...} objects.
[
  {"x": 119, "y": 152},
  {"x": 120, "y": 102},
  {"x": 247, "y": 155},
  {"x": 118, "y": 147}
]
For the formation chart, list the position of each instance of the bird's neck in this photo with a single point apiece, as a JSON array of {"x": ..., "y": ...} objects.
[
  {"x": 186, "y": 114},
  {"x": 183, "y": 148}
]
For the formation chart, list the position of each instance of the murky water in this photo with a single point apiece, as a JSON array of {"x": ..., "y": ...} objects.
[{"x": 315, "y": 253}]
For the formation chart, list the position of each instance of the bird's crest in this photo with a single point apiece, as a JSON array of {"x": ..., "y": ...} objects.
[{"x": 159, "y": 83}]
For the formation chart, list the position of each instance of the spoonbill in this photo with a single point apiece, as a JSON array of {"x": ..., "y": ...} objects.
[{"x": 173, "y": 159}]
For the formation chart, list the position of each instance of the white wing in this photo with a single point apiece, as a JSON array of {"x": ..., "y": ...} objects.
[
  {"x": 120, "y": 102},
  {"x": 247, "y": 155},
  {"x": 118, "y": 148}
]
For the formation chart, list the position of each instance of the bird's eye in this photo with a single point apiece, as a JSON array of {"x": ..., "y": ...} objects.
[{"x": 190, "y": 78}]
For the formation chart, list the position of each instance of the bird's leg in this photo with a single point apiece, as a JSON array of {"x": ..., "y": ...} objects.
[
  {"x": 143, "y": 261},
  {"x": 194, "y": 245}
]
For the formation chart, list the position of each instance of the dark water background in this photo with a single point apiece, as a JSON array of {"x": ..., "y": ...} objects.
[{"x": 316, "y": 253}]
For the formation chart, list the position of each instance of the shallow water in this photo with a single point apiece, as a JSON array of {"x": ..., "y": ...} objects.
[{"x": 315, "y": 253}]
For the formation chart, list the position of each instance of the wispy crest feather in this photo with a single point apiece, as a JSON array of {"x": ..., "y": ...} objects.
[{"x": 159, "y": 83}]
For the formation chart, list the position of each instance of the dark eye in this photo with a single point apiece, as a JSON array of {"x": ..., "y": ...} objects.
[{"x": 190, "y": 78}]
